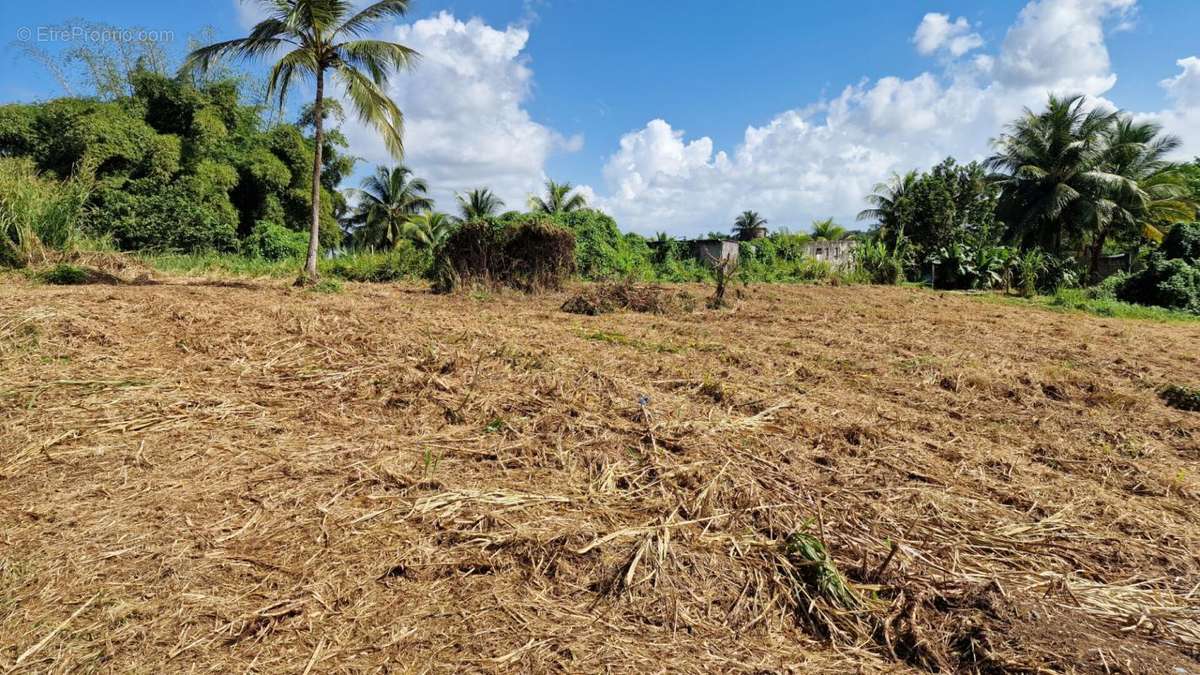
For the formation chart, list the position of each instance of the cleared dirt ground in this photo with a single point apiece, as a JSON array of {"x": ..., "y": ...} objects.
[{"x": 206, "y": 478}]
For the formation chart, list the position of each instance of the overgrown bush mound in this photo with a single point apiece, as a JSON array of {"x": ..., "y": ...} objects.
[
  {"x": 1183, "y": 243},
  {"x": 529, "y": 255},
  {"x": 1173, "y": 284},
  {"x": 608, "y": 297}
]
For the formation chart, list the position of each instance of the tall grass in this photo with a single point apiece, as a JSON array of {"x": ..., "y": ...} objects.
[
  {"x": 1089, "y": 302},
  {"x": 39, "y": 214}
]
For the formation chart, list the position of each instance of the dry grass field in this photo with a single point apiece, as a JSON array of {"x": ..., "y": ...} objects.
[{"x": 197, "y": 477}]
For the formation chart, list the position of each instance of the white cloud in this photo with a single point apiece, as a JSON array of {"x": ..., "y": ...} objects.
[
  {"x": 936, "y": 32},
  {"x": 821, "y": 160},
  {"x": 1183, "y": 118},
  {"x": 465, "y": 121},
  {"x": 1184, "y": 88},
  {"x": 249, "y": 12}
]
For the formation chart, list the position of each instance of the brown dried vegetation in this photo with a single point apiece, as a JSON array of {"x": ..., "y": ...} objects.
[{"x": 234, "y": 479}]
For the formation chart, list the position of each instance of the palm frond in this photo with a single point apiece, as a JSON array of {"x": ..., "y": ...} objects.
[
  {"x": 373, "y": 106},
  {"x": 361, "y": 23}
]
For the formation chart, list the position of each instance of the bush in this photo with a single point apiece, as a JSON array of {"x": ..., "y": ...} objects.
[
  {"x": 875, "y": 264},
  {"x": 1181, "y": 397},
  {"x": 65, "y": 275},
  {"x": 170, "y": 218},
  {"x": 272, "y": 241},
  {"x": 1183, "y": 243},
  {"x": 1030, "y": 266},
  {"x": 1108, "y": 288},
  {"x": 1170, "y": 283},
  {"x": 531, "y": 255},
  {"x": 601, "y": 251},
  {"x": 403, "y": 262},
  {"x": 38, "y": 212}
]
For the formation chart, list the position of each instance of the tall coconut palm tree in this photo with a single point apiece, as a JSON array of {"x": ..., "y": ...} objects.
[
  {"x": 558, "y": 199},
  {"x": 387, "y": 201},
  {"x": 430, "y": 229},
  {"x": 827, "y": 230},
  {"x": 1052, "y": 173},
  {"x": 890, "y": 202},
  {"x": 322, "y": 37},
  {"x": 1149, "y": 191},
  {"x": 478, "y": 204},
  {"x": 749, "y": 225}
]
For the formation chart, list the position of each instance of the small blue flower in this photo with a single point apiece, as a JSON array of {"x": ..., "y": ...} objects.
[{"x": 643, "y": 400}]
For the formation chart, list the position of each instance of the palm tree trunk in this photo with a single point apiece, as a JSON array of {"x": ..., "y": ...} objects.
[
  {"x": 1097, "y": 251},
  {"x": 314, "y": 232}
]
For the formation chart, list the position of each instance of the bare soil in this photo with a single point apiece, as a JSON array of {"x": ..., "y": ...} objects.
[{"x": 252, "y": 478}]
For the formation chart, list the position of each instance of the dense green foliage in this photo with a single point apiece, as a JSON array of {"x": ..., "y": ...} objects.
[
  {"x": 1165, "y": 282},
  {"x": 1183, "y": 242},
  {"x": 177, "y": 167},
  {"x": 944, "y": 222}
]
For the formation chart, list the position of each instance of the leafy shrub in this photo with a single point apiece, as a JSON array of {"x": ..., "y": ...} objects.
[
  {"x": 403, "y": 262},
  {"x": 1030, "y": 266},
  {"x": 1108, "y": 288},
  {"x": 530, "y": 255},
  {"x": 1170, "y": 283},
  {"x": 272, "y": 241},
  {"x": 964, "y": 266},
  {"x": 876, "y": 264},
  {"x": 327, "y": 286},
  {"x": 168, "y": 218},
  {"x": 63, "y": 274},
  {"x": 601, "y": 251},
  {"x": 1183, "y": 243},
  {"x": 1181, "y": 397},
  {"x": 1059, "y": 273}
]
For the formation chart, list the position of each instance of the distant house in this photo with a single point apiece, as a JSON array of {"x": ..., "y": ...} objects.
[
  {"x": 704, "y": 250},
  {"x": 838, "y": 253}
]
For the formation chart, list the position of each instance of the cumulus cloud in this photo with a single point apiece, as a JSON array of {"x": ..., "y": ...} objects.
[
  {"x": 465, "y": 121},
  {"x": 1184, "y": 88},
  {"x": 937, "y": 32},
  {"x": 822, "y": 159},
  {"x": 1183, "y": 117}
]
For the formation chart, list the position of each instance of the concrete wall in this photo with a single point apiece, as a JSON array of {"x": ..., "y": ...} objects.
[
  {"x": 837, "y": 253},
  {"x": 710, "y": 250}
]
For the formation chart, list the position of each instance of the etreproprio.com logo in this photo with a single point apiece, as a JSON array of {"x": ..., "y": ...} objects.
[{"x": 95, "y": 35}]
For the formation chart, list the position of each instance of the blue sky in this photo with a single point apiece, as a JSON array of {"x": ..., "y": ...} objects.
[{"x": 677, "y": 115}]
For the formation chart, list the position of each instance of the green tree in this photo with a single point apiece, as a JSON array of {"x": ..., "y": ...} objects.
[
  {"x": 323, "y": 37},
  {"x": 387, "y": 202},
  {"x": 1147, "y": 195},
  {"x": 429, "y": 230},
  {"x": 891, "y": 205},
  {"x": 558, "y": 199},
  {"x": 1051, "y": 170},
  {"x": 478, "y": 204},
  {"x": 749, "y": 225},
  {"x": 827, "y": 230}
]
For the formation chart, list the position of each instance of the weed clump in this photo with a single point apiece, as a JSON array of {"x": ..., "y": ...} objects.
[
  {"x": 327, "y": 286},
  {"x": 608, "y": 297},
  {"x": 819, "y": 576},
  {"x": 63, "y": 274},
  {"x": 531, "y": 256},
  {"x": 1181, "y": 397}
]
